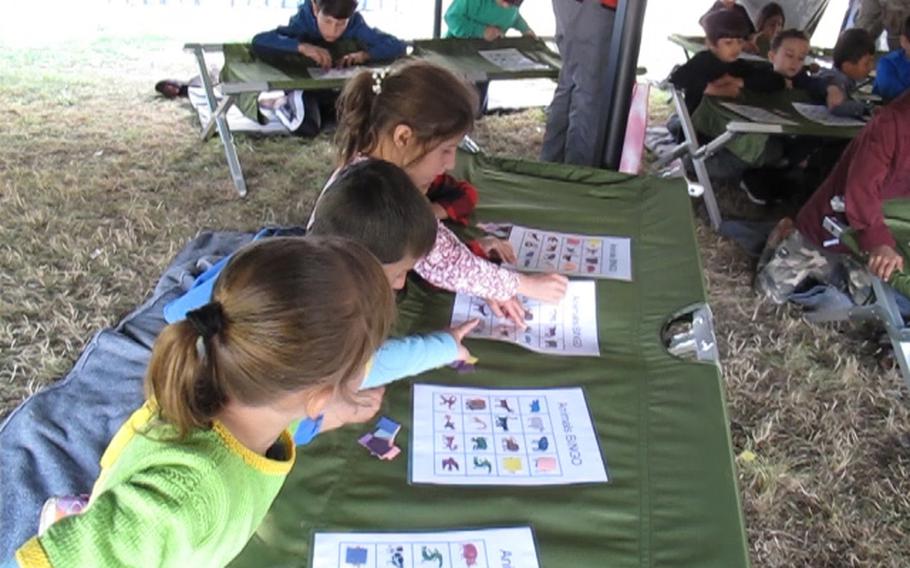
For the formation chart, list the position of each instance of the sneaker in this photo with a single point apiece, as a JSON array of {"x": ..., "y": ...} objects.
[{"x": 292, "y": 112}]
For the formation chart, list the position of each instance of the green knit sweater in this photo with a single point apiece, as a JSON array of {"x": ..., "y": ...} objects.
[
  {"x": 161, "y": 502},
  {"x": 469, "y": 18}
]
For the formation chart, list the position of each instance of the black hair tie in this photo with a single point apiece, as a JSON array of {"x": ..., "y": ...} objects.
[{"x": 207, "y": 320}]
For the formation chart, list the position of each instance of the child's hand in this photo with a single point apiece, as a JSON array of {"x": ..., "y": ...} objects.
[
  {"x": 491, "y": 33},
  {"x": 439, "y": 211},
  {"x": 836, "y": 97},
  {"x": 362, "y": 406},
  {"x": 356, "y": 58},
  {"x": 530, "y": 34},
  {"x": 459, "y": 332},
  {"x": 788, "y": 83},
  {"x": 319, "y": 55},
  {"x": 510, "y": 309},
  {"x": 495, "y": 247},
  {"x": 549, "y": 288}
]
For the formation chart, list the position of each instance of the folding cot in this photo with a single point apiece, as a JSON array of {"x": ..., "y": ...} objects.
[
  {"x": 744, "y": 137},
  {"x": 661, "y": 419},
  {"x": 244, "y": 75},
  {"x": 883, "y": 306}
]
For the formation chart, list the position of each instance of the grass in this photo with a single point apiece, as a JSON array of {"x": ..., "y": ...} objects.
[{"x": 101, "y": 183}]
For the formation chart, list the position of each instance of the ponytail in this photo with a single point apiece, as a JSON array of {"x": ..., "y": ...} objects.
[
  {"x": 354, "y": 107},
  {"x": 182, "y": 380}
]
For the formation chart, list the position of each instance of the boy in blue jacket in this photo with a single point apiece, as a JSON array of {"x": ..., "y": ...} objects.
[
  {"x": 317, "y": 25},
  {"x": 892, "y": 76},
  {"x": 330, "y": 33}
]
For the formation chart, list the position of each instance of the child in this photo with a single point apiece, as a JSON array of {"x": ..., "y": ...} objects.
[
  {"x": 892, "y": 75},
  {"x": 487, "y": 19},
  {"x": 769, "y": 23},
  {"x": 730, "y": 6},
  {"x": 854, "y": 58},
  {"x": 192, "y": 473},
  {"x": 875, "y": 167},
  {"x": 415, "y": 117},
  {"x": 717, "y": 71},
  {"x": 373, "y": 203},
  {"x": 323, "y": 32},
  {"x": 787, "y": 52}
]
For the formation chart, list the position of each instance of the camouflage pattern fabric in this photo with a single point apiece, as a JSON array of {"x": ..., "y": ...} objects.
[{"x": 786, "y": 267}]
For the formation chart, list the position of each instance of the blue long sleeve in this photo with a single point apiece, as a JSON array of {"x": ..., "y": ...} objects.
[
  {"x": 377, "y": 43},
  {"x": 302, "y": 28},
  {"x": 408, "y": 356},
  {"x": 892, "y": 75}
]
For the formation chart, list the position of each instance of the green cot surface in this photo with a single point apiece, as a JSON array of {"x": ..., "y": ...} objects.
[
  {"x": 459, "y": 55},
  {"x": 672, "y": 499},
  {"x": 711, "y": 119}
]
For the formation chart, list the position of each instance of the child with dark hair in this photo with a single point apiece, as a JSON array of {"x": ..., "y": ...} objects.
[
  {"x": 730, "y": 6},
  {"x": 854, "y": 58},
  {"x": 768, "y": 24},
  {"x": 892, "y": 75},
  {"x": 718, "y": 71},
  {"x": 330, "y": 33}
]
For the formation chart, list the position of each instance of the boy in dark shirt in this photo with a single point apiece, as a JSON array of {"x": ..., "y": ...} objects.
[
  {"x": 854, "y": 59},
  {"x": 717, "y": 71}
]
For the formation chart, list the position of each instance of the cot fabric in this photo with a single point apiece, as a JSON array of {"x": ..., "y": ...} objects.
[
  {"x": 159, "y": 502},
  {"x": 469, "y": 18},
  {"x": 710, "y": 119},
  {"x": 661, "y": 421},
  {"x": 874, "y": 167}
]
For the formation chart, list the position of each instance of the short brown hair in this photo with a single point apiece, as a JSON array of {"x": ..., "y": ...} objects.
[
  {"x": 428, "y": 98},
  {"x": 376, "y": 204},
  {"x": 294, "y": 314}
]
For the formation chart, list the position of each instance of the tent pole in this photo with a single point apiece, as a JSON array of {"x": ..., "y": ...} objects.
[
  {"x": 437, "y": 19},
  {"x": 628, "y": 27}
]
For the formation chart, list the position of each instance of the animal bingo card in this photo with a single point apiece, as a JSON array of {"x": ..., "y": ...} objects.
[
  {"x": 567, "y": 328},
  {"x": 573, "y": 255},
  {"x": 482, "y": 548},
  {"x": 511, "y": 59},
  {"x": 472, "y": 436}
]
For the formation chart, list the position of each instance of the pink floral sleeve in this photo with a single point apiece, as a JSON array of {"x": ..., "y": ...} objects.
[{"x": 452, "y": 265}]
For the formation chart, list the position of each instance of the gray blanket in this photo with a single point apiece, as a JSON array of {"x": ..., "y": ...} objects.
[{"x": 51, "y": 444}]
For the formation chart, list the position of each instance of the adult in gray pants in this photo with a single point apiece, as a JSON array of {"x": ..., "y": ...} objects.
[
  {"x": 888, "y": 15},
  {"x": 583, "y": 32}
]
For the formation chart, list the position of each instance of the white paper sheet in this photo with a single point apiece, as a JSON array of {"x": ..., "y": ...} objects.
[
  {"x": 510, "y": 59},
  {"x": 758, "y": 114},
  {"x": 481, "y": 548},
  {"x": 591, "y": 256},
  {"x": 567, "y": 328},
  {"x": 474, "y": 436},
  {"x": 336, "y": 72},
  {"x": 821, "y": 115}
]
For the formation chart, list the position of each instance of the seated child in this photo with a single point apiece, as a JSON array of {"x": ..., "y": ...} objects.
[
  {"x": 875, "y": 167},
  {"x": 731, "y": 6},
  {"x": 892, "y": 75},
  {"x": 717, "y": 70},
  {"x": 787, "y": 52},
  {"x": 854, "y": 58},
  {"x": 415, "y": 116},
  {"x": 376, "y": 204},
  {"x": 769, "y": 23},
  {"x": 486, "y": 19},
  {"x": 329, "y": 33},
  {"x": 192, "y": 473}
]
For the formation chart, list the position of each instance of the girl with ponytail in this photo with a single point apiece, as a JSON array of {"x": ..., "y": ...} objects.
[
  {"x": 414, "y": 117},
  {"x": 186, "y": 481}
]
